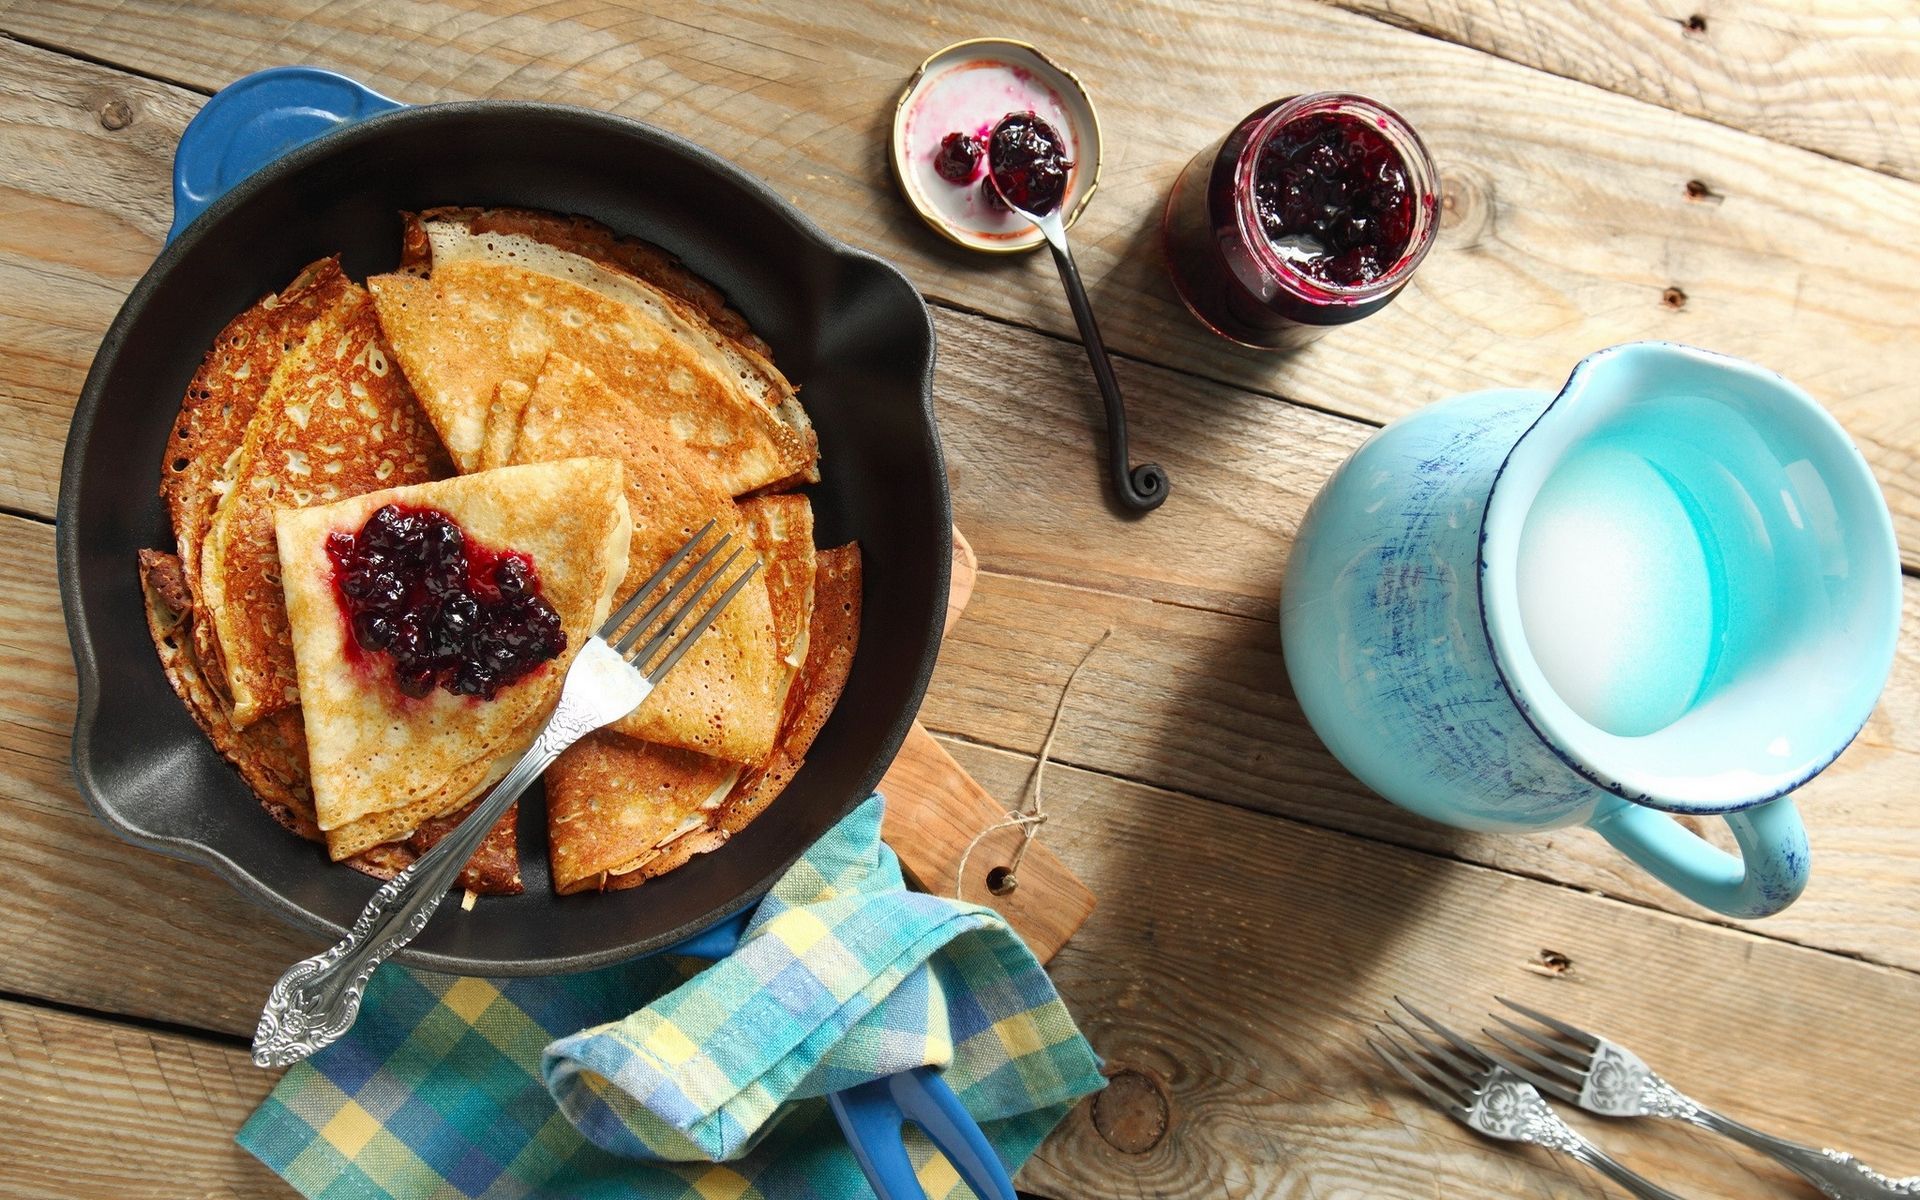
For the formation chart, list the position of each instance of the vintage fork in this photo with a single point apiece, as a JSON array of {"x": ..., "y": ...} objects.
[
  {"x": 316, "y": 1001},
  {"x": 1471, "y": 1088},
  {"x": 1587, "y": 1070}
]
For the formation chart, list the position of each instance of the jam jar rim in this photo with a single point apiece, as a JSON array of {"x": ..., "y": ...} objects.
[{"x": 1406, "y": 142}]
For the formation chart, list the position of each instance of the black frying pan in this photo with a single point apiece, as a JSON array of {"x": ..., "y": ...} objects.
[{"x": 847, "y": 327}]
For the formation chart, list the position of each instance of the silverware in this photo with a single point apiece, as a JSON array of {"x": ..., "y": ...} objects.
[
  {"x": 1142, "y": 488},
  {"x": 1473, "y": 1089},
  {"x": 1589, "y": 1071},
  {"x": 316, "y": 1001}
]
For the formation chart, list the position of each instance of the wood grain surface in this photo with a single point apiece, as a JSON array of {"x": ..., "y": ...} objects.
[
  {"x": 1835, "y": 76},
  {"x": 91, "y": 1108},
  {"x": 1608, "y": 174},
  {"x": 943, "y": 824},
  {"x": 1568, "y": 222},
  {"x": 1237, "y": 961}
]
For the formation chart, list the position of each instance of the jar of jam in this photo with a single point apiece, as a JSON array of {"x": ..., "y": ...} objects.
[{"x": 1312, "y": 212}]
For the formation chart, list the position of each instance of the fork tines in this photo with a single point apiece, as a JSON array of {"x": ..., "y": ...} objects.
[
  {"x": 663, "y": 639},
  {"x": 1459, "y": 1067},
  {"x": 1559, "y": 1050}
]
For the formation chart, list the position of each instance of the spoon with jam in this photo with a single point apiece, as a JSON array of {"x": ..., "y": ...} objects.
[{"x": 1028, "y": 169}]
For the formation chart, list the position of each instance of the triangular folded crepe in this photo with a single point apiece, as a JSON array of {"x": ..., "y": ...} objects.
[
  {"x": 621, "y": 811},
  {"x": 383, "y": 764},
  {"x": 725, "y": 698},
  {"x": 629, "y": 273},
  {"x": 271, "y": 753},
  {"x": 337, "y": 420},
  {"x": 474, "y": 323}
]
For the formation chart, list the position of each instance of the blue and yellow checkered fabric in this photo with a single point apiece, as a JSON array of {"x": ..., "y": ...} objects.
[{"x": 556, "y": 1087}]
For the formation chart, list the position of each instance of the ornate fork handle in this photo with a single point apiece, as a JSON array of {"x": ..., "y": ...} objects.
[
  {"x": 316, "y": 1001},
  {"x": 1509, "y": 1108},
  {"x": 1838, "y": 1175}
]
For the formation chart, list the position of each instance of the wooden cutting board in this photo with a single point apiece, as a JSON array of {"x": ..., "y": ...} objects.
[{"x": 935, "y": 810}]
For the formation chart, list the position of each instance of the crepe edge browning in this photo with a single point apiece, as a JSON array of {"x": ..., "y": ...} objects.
[
  {"x": 817, "y": 684},
  {"x": 355, "y": 765},
  {"x": 832, "y": 641},
  {"x": 693, "y": 300},
  {"x": 202, "y": 446},
  {"x": 270, "y": 755}
]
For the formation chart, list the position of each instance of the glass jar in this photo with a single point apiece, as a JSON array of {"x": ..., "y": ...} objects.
[{"x": 1233, "y": 276}]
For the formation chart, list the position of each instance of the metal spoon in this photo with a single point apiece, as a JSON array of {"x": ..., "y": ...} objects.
[{"x": 1142, "y": 488}]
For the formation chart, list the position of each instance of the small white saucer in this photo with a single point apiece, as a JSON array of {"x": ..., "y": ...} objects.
[{"x": 967, "y": 88}]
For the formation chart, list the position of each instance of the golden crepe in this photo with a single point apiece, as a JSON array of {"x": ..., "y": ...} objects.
[
  {"x": 381, "y": 763},
  {"x": 473, "y": 323},
  {"x": 611, "y": 403},
  {"x": 271, "y": 753},
  {"x": 577, "y": 250},
  {"x": 336, "y": 420},
  {"x": 621, "y": 811},
  {"x": 202, "y": 453},
  {"x": 510, "y": 398},
  {"x": 725, "y": 698},
  {"x": 587, "y": 239},
  {"x": 223, "y": 397}
]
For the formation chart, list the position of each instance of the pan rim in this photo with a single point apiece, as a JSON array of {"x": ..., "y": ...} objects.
[{"x": 88, "y": 667}]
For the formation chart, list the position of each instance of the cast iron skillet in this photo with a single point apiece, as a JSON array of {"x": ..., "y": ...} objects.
[{"x": 846, "y": 326}]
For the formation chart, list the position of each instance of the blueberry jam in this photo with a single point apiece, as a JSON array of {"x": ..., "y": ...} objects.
[
  {"x": 1334, "y": 198},
  {"x": 447, "y": 611},
  {"x": 1311, "y": 213},
  {"x": 958, "y": 158},
  {"x": 1028, "y": 160}
]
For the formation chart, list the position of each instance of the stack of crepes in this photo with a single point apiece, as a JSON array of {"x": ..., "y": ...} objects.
[{"x": 510, "y": 345}]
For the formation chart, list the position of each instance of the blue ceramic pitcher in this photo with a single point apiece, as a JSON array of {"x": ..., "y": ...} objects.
[{"x": 1671, "y": 588}]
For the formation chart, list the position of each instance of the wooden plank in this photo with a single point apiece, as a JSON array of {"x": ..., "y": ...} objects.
[
  {"x": 1224, "y": 987},
  {"x": 940, "y": 821},
  {"x": 92, "y": 1108},
  {"x": 1838, "y": 78},
  {"x": 1199, "y": 702},
  {"x": 90, "y": 920},
  {"x": 1228, "y": 986},
  {"x": 1237, "y": 963},
  {"x": 82, "y": 207},
  {"x": 1567, "y": 220},
  {"x": 935, "y": 813},
  {"x": 1221, "y": 725}
]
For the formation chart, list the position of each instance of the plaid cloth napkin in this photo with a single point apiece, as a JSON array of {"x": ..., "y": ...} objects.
[{"x": 457, "y": 1087}]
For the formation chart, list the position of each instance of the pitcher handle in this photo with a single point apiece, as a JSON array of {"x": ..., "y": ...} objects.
[{"x": 1768, "y": 874}]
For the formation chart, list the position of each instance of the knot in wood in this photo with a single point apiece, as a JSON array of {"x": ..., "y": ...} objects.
[
  {"x": 1132, "y": 1113},
  {"x": 116, "y": 114},
  {"x": 1466, "y": 205}
]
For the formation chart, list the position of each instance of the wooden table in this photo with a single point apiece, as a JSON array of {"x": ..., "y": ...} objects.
[{"x": 1744, "y": 175}]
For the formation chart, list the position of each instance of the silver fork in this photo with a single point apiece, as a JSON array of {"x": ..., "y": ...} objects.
[
  {"x": 316, "y": 1001},
  {"x": 1473, "y": 1089},
  {"x": 1587, "y": 1070}
]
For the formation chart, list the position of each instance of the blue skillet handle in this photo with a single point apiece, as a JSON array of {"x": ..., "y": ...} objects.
[
  {"x": 254, "y": 120},
  {"x": 717, "y": 940},
  {"x": 871, "y": 1116}
]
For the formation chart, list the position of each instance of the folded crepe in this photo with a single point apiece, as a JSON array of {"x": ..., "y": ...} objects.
[
  {"x": 725, "y": 697},
  {"x": 473, "y": 323},
  {"x": 383, "y": 764},
  {"x": 270, "y": 753},
  {"x": 584, "y": 238},
  {"x": 336, "y": 420},
  {"x": 628, "y": 272},
  {"x": 622, "y": 811}
]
